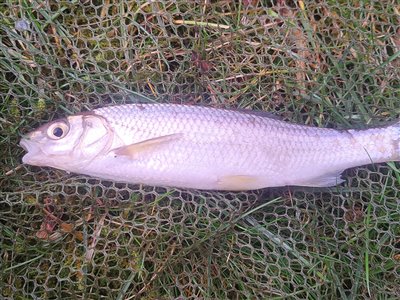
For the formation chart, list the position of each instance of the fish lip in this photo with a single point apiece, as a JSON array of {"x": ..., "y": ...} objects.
[{"x": 32, "y": 151}]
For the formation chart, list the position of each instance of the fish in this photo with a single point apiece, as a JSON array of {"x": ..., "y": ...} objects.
[{"x": 204, "y": 148}]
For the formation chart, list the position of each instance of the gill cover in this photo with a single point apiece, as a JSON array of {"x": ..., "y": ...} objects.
[{"x": 96, "y": 137}]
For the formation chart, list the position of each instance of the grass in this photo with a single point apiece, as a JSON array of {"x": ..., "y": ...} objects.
[{"x": 324, "y": 64}]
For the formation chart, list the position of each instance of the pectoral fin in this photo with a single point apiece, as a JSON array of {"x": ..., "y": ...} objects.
[
  {"x": 239, "y": 183},
  {"x": 134, "y": 151}
]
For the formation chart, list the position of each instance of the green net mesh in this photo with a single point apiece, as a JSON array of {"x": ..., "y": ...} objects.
[{"x": 324, "y": 63}]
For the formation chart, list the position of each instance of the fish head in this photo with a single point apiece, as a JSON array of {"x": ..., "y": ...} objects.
[{"x": 69, "y": 144}]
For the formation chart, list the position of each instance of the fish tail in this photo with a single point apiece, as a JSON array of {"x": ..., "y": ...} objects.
[
  {"x": 381, "y": 144},
  {"x": 392, "y": 139},
  {"x": 397, "y": 141}
]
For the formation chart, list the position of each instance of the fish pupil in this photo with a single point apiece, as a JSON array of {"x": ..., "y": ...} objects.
[{"x": 58, "y": 132}]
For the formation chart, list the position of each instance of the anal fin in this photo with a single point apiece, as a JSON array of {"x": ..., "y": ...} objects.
[{"x": 326, "y": 180}]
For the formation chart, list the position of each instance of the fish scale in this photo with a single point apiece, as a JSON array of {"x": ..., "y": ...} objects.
[{"x": 207, "y": 148}]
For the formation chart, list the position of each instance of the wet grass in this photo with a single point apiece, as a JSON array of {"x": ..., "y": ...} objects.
[{"x": 323, "y": 64}]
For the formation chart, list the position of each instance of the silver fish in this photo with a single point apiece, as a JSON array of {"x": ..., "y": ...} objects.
[{"x": 204, "y": 148}]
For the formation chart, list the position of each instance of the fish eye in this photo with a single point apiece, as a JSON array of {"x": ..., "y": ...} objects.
[{"x": 57, "y": 130}]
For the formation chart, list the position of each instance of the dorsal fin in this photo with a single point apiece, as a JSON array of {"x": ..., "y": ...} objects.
[{"x": 259, "y": 113}]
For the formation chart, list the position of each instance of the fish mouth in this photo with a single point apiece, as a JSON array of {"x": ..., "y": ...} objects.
[
  {"x": 33, "y": 152},
  {"x": 24, "y": 144}
]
